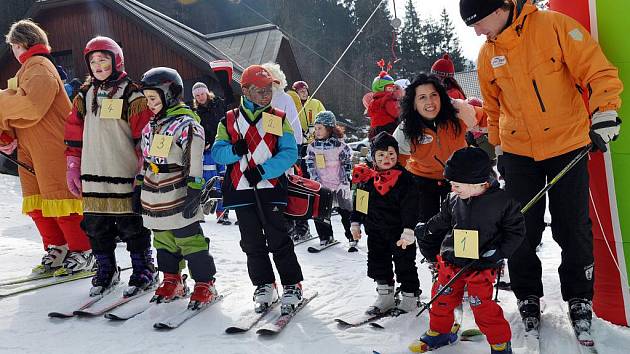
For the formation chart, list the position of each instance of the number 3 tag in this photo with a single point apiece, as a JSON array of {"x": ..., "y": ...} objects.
[
  {"x": 466, "y": 243},
  {"x": 161, "y": 145},
  {"x": 362, "y": 201}
]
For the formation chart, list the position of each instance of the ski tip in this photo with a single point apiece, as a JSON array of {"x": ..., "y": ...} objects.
[
  {"x": 266, "y": 332},
  {"x": 353, "y": 249},
  {"x": 233, "y": 330},
  {"x": 60, "y": 315},
  {"x": 376, "y": 325}
]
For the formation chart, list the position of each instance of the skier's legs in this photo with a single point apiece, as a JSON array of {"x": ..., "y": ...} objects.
[
  {"x": 194, "y": 248},
  {"x": 70, "y": 225},
  {"x": 281, "y": 245},
  {"x": 212, "y": 169},
  {"x": 405, "y": 266},
  {"x": 48, "y": 228},
  {"x": 525, "y": 177},
  {"x": 488, "y": 314},
  {"x": 254, "y": 244},
  {"x": 101, "y": 230},
  {"x": 169, "y": 256},
  {"x": 324, "y": 230},
  {"x": 429, "y": 198},
  {"x": 133, "y": 233},
  {"x": 379, "y": 257},
  {"x": 441, "y": 315},
  {"x": 345, "y": 221},
  {"x": 571, "y": 226}
]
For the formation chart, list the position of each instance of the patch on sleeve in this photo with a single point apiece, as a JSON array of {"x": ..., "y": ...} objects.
[
  {"x": 576, "y": 34},
  {"x": 498, "y": 61}
]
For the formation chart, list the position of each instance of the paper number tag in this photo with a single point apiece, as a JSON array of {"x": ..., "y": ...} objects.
[
  {"x": 12, "y": 84},
  {"x": 362, "y": 200},
  {"x": 272, "y": 124},
  {"x": 320, "y": 162},
  {"x": 161, "y": 145},
  {"x": 111, "y": 108},
  {"x": 466, "y": 243}
]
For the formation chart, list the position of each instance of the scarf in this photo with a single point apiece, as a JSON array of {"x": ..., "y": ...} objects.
[
  {"x": 34, "y": 50},
  {"x": 384, "y": 181}
]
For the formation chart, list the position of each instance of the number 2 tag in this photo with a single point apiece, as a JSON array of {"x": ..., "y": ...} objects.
[
  {"x": 161, "y": 145},
  {"x": 466, "y": 243},
  {"x": 272, "y": 124},
  {"x": 362, "y": 201}
]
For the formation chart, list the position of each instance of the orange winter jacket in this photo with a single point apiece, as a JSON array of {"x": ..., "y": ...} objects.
[{"x": 531, "y": 77}]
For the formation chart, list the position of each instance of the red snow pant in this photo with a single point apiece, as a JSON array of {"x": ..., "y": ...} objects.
[
  {"x": 61, "y": 230},
  {"x": 488, "y": 314}
]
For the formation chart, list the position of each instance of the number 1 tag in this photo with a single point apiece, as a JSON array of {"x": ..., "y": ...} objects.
[
  {"x": 466, "y": 243},
  {"x": 320, "y": 161},
  {"x": 12, "y": 84},
  {"x": 111, "y": 108},
  {"x": 161, "y": 145},
  {"x": 362, "y": 201},
  {"x": 272, "y": 124}
]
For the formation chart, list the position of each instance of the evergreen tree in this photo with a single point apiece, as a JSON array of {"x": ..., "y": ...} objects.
[
  {"x": 450, "y": 42},
  {"x": 411, "y": 56}
]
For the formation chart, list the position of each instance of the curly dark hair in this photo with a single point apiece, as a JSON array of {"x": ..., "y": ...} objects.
[{"x": 414, "y": 123}]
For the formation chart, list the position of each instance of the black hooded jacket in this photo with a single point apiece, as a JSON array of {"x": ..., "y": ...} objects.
[{"x": 211, "y": 114}]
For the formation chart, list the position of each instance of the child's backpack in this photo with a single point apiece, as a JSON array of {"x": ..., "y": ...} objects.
[{"x": 307, "y": 199}]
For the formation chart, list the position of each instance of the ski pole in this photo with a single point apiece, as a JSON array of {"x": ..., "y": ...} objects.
[
  {"x": 535, "y": 199},
  {"x": 19, "y": 163},
  {"x": 496, "y": 294}
]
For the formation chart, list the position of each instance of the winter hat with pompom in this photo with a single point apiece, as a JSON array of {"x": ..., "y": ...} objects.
[
  {"x": 443, "y": 67},
  {"x": 383, "y": 79},
  {"x": 326, "y": 118}
]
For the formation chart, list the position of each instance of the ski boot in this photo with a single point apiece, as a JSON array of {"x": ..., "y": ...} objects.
[
  {"x": 52, "y": 260},
  {"x": 291, "y": 298},
  {"x": 144, "y": 275},
  {"x": 352, "y": 246},
  {"x": 173, "y": 287},
  {"x": 327, "y": 241},
  {"x": 223, "y": 217},
  {"x": 264, "y": 296},
  {"x": 581, "y": 315},
  {"x": 77, "y": 262},
  {"x": 107, "y": 274},
  {"x": 432, "y": 340},
  {"x": 501, "y": 348},
  {"x": 529, "y": 309},
  {"x": 203, "y": 294},
  {"x": 410, "y": 302},
  {"x": 385, "y": 301}
]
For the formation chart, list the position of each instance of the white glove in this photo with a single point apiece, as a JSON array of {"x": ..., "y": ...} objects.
[
  {"x": 406, "y": 238},
  {"x": 498, "y": 151},
  {"x": 355, "y": 230},
  {"x": 605, "y": 128}
]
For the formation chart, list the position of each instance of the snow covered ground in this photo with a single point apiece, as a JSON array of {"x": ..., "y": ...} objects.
[{"x": 338, "y": 276}]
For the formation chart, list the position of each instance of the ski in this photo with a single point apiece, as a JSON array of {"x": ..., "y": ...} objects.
[
  {"x": 130, "y": 310},
  {"x": 103, "y": 308},
  {"x": 27, "y": 278},
  {"x": 361, "y": 320},
  {"x": 177, "y": 319},
  {"x": 249, "y": 320},
  {"x": 277, "y": 325},
  {"x": 46, "y": 282},
  {"x": 317, "y": 249},
  {"x": 83, "y": 305},
  {"x": 303, "y": 240}
]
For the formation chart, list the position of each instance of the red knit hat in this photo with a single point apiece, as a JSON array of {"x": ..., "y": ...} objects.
[{"x": 443, "y": 67}]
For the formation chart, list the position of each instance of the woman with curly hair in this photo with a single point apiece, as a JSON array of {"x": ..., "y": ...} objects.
[{"x": 432, "y": 128}]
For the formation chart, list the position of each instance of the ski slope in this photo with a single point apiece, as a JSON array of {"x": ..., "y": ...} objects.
[{"x": 338, "y": 276}]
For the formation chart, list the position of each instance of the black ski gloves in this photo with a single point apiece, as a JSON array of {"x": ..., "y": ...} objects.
[
  {"x": 254, "y": 174},
  {"x": 240, "y": 147},
  {"x": 193, "y": 197}
]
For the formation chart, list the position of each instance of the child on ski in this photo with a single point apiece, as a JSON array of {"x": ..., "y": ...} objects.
[
  {"x": 480, "y": 214},
  {"x": 172, "y": 146},
  {"x": 256, "y": 143},
  {"x": 329, "y": 162},
  {"x": 388, "y": 218},
  {"x": 102, "y": 153}
]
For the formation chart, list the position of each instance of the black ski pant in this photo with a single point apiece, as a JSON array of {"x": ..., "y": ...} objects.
[
  {"x": 432, "y": 193},
  {"x": 570, "y": 224},
  {"x": 258, "y": 240},
  {"x": 325, "y": 230},
  {"x": 382, "y": 250},
  {"x": 103, "y": 229},
  {"x": 189, "y": 244}
]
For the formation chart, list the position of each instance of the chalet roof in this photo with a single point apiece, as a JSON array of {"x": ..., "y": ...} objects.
[{"x": 243, "y": 46}]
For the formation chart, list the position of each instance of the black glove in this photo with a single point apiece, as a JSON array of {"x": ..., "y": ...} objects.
[
  {"x": 193, "y": 197},
  {"x": 240, "y": 147},
  {"x": 493, "y": 256},
  {"x": 605, "y": 129},
  {"x": 254, "y": 175},
  {"x": 136, "y": 203}
]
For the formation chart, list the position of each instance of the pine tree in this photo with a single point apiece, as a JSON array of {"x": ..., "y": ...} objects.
[
  {"x": 450, "y": 42},
  {"x": 411, "y": 56}
]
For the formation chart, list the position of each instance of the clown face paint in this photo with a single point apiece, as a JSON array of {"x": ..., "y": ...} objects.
[
  {"x": 385, "y": 159},
  {"x": 100, "y": 65},
  {"x": 154, "y": 101}
]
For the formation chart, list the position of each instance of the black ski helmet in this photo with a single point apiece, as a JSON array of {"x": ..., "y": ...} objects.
[{"x": 167, "y": 82}]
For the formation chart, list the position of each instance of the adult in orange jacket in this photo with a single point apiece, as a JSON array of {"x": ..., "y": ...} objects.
[
  {"x": 34, "y": 111},
  {"x": 532, "y": 70}
]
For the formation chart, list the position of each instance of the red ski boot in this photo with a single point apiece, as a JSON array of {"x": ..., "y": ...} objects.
[
  {"x": 203, "y": 294},
  {"x": 173, "y": 287}
]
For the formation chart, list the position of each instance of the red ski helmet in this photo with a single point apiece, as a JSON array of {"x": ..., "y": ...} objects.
[{"x": 107, "y": 45}]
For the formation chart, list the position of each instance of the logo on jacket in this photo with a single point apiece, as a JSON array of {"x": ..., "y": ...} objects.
[
  {"x": 576, "y": 34},
  {"x": 426, "y": 139},
  {"x": 588, "y": 272},
  {"x": 498, "y": 61}
]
